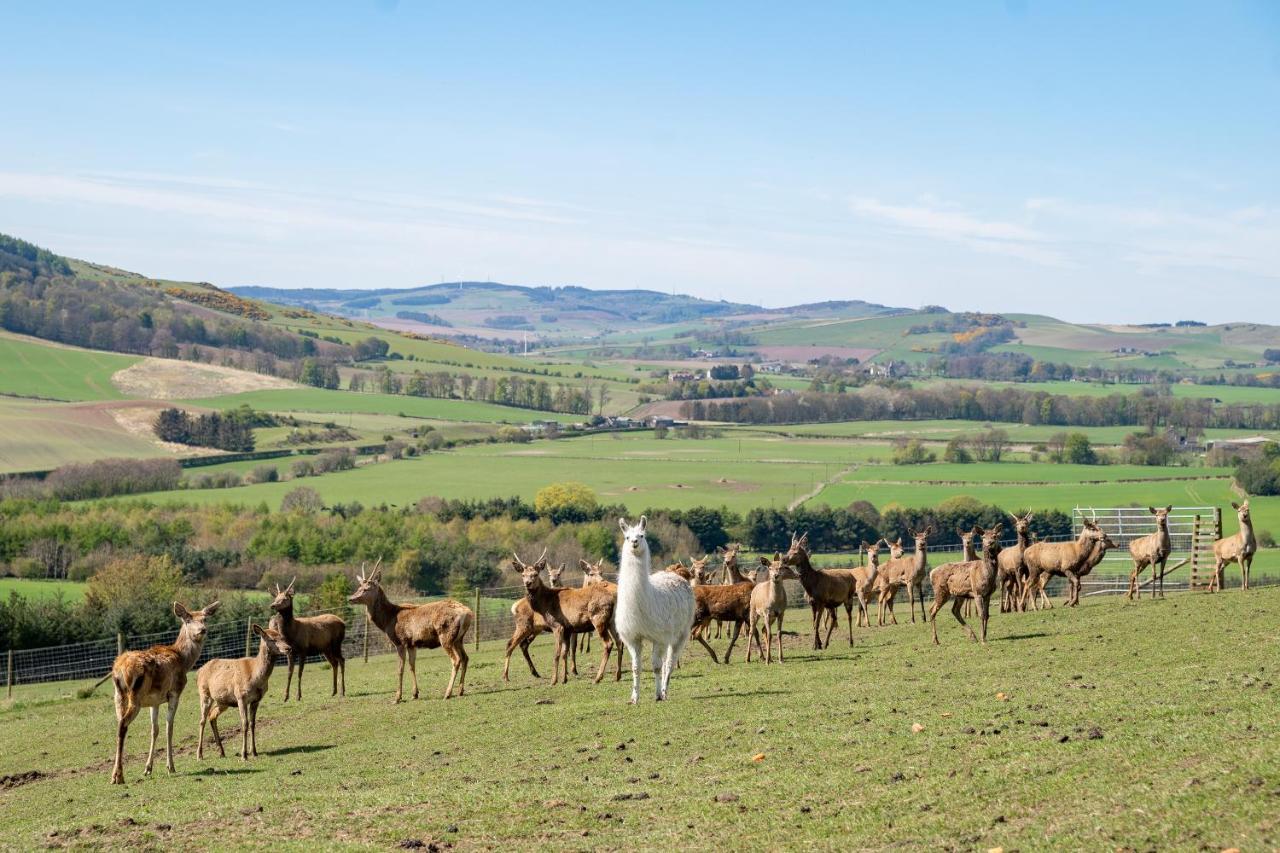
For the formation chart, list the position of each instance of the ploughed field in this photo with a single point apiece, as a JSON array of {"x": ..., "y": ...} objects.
[{"x": 1113, "y": 725}]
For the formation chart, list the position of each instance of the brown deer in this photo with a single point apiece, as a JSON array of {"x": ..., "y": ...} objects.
[
  {"x": 156, "y": 676},
  {"x": 972, "y": 579},
  {"x": 730, "y": 572},
  {"x": 724, "y": 603},
  {"x": 241, "y": 682},
  {"x": 905, "y": 571},
  {"x": 310, "y": 635},
  {"x": 864, "y": 582},
  {"x": 969, "y": 555},
  {"x": 1151, "y": 550},
  {"x": 568, "y": 611},
  {"x": 1012, "y": 570},
  {"x": 528, "y": 625},
  {"x": 769, "y": 603},
  {"x": 827, "y": 589},
  {"x": 1044, "y": 559},
  {"x": 409, "y": 627},
  {"x": 1239, "y": 548}
]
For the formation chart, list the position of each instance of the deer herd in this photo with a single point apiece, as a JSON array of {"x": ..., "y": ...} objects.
[{"x": 666, "y": 609}]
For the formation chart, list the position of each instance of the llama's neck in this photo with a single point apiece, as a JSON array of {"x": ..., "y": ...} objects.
[{"x": 633, "y": 572}]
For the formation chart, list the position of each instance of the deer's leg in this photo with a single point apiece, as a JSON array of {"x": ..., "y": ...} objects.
[
  {"x": 817, "y": 631},
  {"x": 213, "y": 726},
  {"x": 457, "y": 672},
  {"x": 168, "y": 730},
  {"x": 524, "y": 649},
  {"x": 399, "y": 675},
  {"x": 956, "y": 605},
  {"x": 984, "y": 612},
  {"x": 342, "y": 679},
  {"x": 125, "y": 712},
  {"x": 411, "y": 652},
  {"x": 253, "y": 727},
  {"x": 289, "y": 678},
  {"x": 848, "y": 615},
  {"x": 697, "y": 634},
  {"x": 939, "y": 599},
  {"x": 465, "y": 661},
  {"x": 302, "y": 661},
  {"x": 602, "y": 628},
  {"x": 204, "y": 718},
  {"x": 243, "y": 707},
  {"x": 1135, "y": 591},
  {"x": 155, "y": 731},
  {"x": 737, "y": 630},
  {"x": 751, "y": 631},
  {"x": 618, "y": 647},
  {"x": 780, "y": 612},
  {"x": 1246, "y": 563},
  {"x": 333, "y": 667}
]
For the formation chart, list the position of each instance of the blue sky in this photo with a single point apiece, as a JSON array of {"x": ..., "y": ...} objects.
[{"x": 1098, "y": 162}]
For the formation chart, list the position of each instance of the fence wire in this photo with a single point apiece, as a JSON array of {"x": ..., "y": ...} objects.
[{"x": 494, "y": 621}]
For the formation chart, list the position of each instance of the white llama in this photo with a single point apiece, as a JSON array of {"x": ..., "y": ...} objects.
[{"x": 654, "y": 608}]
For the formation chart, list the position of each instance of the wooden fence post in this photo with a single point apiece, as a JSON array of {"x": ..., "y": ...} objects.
[
  {"x": 248, "y": 638},
  {"x": 477, "y": 644},
  {"x": 9, "y": 678},
  {"x": 119, "y": 643}
]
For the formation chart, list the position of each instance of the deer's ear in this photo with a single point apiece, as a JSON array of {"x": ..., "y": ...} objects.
[
  {"x": 210, "y": 609},
  {"x": 764, "y": 561},
  {"x": 257, "y": 629},
  {"x": 584, "y": 565},
  {"x": 1168, "y": 509},
  {"x": 181, "y": 612},
  {"x": 1235, "y": 505},
  {"x": 1151, "y": 510}
]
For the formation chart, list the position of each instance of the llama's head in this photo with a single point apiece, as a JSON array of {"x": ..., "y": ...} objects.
[
  {"x": 633, "y": 540},
  {"x": 1162, "y": 517}
]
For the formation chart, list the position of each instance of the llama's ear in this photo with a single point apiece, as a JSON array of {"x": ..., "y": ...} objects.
[
  {"x": 181, "y": 612},
  {"x": 622, "y": 523},
  {"x": 643, "y": 521}
]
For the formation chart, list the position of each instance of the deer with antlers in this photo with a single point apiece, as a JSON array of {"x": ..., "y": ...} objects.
[
  {"x": 1239, "y": 548},
  {"x": 310, "y": 635},
  {"x": 569, "y": 611},
  {"x": 721, "y": 602},
  {"x": 409, "y": 627},
  {"x": 1012, "y": 569},
  {"x": 1045, "y": 559},
  {"x": 154, "y": 677},
  {"x": 827, "y": 589},
  {"x": 528, "y": 624},
  {"x": 968, "y": 579},
  {"x": 1151, "y": 550}
]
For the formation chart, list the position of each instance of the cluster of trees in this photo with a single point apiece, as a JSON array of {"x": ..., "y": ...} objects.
[
  {"x": 1261, "y": 476},
  {"x": 230, "y": 430},
  {"x": 508, "y": 390},
  {"x": 103, "y": 478},
  {"x": 423, "y": 317},
  {"x": 1008, "y": 405}
]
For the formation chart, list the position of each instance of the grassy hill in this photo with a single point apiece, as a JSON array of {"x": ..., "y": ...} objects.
[{"x": 1107, "y": 726}]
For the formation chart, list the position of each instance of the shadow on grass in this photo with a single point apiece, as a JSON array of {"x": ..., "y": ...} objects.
[
  {"x": 228, "y": 771},
  {"x": 738, "y": 694},
  {"x": 1018, "y": 637},
  {"x": 293, "y": 750}
]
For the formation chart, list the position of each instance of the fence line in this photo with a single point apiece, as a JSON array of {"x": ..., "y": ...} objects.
[{"x": 494, "y": 621}]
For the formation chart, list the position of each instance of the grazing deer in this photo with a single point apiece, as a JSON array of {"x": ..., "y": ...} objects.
[
  {"x": 155, "y": 676},
  {"x": 905, "y": 571},
  {"x": 242, "y": 682},
  {"x": 769, "y": 603},
  {"x": 657, "y": 608},
  {"x": 528, "y": 625},
  {"x": 1044, "y": 559},
  {"x": 972, "y": 579},
  {"x": 1239, "y": 548},
  {"x": 567, "y": 611},
  {"x": 827, "y": 589},
  {"x": 724, "y": 603},
  {"x": 409, "y": 627},
  {"x": 310, "y": 635},
  {"x": 1012, "y": 569},
  {"x": 1151, "y": 550}
]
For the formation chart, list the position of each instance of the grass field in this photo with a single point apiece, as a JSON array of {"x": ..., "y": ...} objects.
[
  {"x": 945, "y": 430},
  {"x": 37, "y": 435},
  {"x": 41, "y": 589},
  {"x": 319, "y": 400},
  {"x": 1225, "y": 393},
  {"x": 1111, "y": 726},
  {"x": 32, "y": 369}
]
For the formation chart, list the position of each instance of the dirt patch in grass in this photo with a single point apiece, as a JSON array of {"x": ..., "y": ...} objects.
[
  {"x": 139, "y": 420},
  {"x": 168, "y": 379}
]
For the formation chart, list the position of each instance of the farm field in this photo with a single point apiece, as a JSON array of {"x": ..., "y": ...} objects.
[
  {"x": 319, "y": 400},
  {"x": 945, "y": 430},
  {"x": 1225, "y": 393},
  {"x": 36, "y": 590},
  {"x": 40, "y": 435},
  {"x": 31, "y": 368},
  {"x": 1089, "y": 727},
  {"x": 1029, "y": 472}
]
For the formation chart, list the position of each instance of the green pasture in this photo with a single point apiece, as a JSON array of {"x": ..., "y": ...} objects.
[
  {"x": 31, "y": 369},
  {"x": 319, "y": 400},
  {"x": 1030, "y": 472},
  {"x": 38, "y": 589},
  {"x": 36, "y": 435},
  {"x": 1146, "y": 726}
]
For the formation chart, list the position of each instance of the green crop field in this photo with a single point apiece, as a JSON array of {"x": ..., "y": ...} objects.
[
  {"x": 319, "y": 400},
  {"x": 1029, "y": 472},
  {"x": 37, "y": 435},
  {"x": 32, "y": 369},
  {"x": 1225, "y": 393},
  {"x": 1108, "y": 726},
  {"x": 41, "y": 589},
  {"x": 945, "y": 430}
]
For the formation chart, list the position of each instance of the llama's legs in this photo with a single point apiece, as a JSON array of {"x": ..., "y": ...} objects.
[
  {"x": 634, "y": 649},
  {"x": 655, "y": 663}
]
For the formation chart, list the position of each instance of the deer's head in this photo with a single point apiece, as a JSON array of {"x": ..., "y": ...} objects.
[
  {"x": 276, "y": 643},
  {"x": 990, "y": 539},
  {"x": 1022, "y": 523},
  {"x": 1162, "y": 516},
  {"x": 368, "y": 586},
  {"x": 798, "y": 551},
  {"x": 284, "y": 597},
  {"x": 1242, "y": 512},
  {"x": 553, "y": 575},
  {"x": 895, "y": 549},
  {"x": 530, "y": 572},
  {"x": 193, "y": 621},
  {"x": 592, "y": 572},
  {"x": 873, "y": 551},
  {"x": 921, "y": 536}
]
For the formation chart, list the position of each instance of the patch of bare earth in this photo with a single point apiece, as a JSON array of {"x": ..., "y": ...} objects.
[
  {"x": 169, "y": 379},
  {"x": 140, "y": 421}
]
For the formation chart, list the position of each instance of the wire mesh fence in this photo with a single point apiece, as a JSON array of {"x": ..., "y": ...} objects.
[{"x": 363, "y": 639}]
